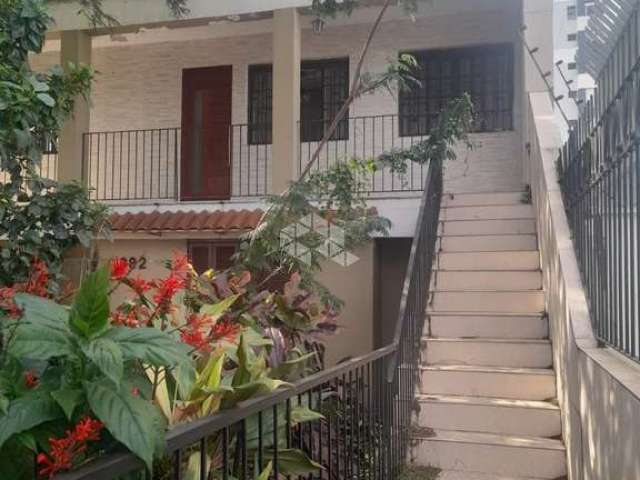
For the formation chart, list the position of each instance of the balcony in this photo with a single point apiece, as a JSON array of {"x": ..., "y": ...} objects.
[{"x": 146, "y": 166}]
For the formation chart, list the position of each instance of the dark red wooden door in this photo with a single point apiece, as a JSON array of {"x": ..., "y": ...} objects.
[{"x": 206, "y": 120}]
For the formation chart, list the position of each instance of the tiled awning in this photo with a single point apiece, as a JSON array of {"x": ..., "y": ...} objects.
[{"x": 219, "y": 221}]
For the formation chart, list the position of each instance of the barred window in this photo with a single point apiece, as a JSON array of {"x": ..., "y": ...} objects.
[
  {"x": 485, "y": 73},
  {"x": 260, "y": 94},
  {"x": 324, "y": 86},
  {"x": 207, "y": 254}
]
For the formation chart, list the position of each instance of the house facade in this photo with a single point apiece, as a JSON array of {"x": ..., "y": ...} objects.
[
  {"x": 194, "y": 121},
  {"x": 197, "y": 116}
]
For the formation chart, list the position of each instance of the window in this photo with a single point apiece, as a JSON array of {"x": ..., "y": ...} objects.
[
  {"x": 573, "y": 94},
  {"x": 571, "y": 65},
  {"x": 324, "y": 86},
  {"x": 206, "y": 254},
  {"x": 485, "y": 73},
  {"x": 571, "y": 12},
  {"x": 572, "y": 37},
  {"x": 260, "y": 94}
]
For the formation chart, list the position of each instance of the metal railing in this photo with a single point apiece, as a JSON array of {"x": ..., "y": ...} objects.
[
  {"x": 599, "y": 170},
  {"x": 367, "y": 402},
  {"x": 131, "y": 165},
  {"x": 368, "y": 137}
]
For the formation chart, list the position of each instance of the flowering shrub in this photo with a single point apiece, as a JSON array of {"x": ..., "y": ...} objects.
[
  {"x": 76, "y": 381},
  {"x": 64, "y": 451}
]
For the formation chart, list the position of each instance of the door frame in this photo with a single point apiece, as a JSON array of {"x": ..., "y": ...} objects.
[{"x": 184, "y": 98}]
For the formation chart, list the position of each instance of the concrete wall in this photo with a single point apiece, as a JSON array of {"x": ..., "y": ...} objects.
[
  {"x": 598, "y": 389},
  {"x": 139, "y": 84},
  {"x": 355, "y": 286}
]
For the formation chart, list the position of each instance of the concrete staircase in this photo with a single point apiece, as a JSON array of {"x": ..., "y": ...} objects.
[{"x": 486, "y": 402}]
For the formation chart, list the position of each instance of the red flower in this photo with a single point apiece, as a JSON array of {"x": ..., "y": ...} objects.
[
  {"x": 139, "y": 285},
  {"x": 30, "y": 380},
  {"x": 224, "y": 329},
  {"x": 166, "y": 289},
  {"x": 180, "y": 263},
  {"x": 119, "y": 268},
  {"x": 196, "y": 339},
  {"x": 63, "y": 451},
  {"x": 6, "y": 302},
  {"x": 38, "y": 279}
]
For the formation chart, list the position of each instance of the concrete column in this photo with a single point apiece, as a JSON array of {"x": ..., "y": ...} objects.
[
  {"x": 286, "y": 97},
  {"x": 75, "y": 48}
]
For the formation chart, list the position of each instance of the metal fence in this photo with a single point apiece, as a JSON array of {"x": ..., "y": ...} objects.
[
  {"x": 367, "y": 403},
  {"x": 363, "y": 138},
  {"x": 599, "y": 168},
  {"x": 131, "y": 165}
]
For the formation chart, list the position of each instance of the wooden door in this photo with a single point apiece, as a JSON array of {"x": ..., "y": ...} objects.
[{"x": 206, "y": 121}]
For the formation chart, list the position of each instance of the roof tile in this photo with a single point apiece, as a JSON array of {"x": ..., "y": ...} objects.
[{"x": 216, "y": 221}]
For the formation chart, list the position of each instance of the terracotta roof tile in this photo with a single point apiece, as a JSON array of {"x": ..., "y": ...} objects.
[{"x": 216, "y": 221}]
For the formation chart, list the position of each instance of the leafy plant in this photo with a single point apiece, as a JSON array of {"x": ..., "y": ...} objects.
[
  {"x": 86, "y": 367},
  {"x": 39, "y": 219}
]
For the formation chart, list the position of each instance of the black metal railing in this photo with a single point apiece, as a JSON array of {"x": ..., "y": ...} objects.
[
  {"x": 134, "y": 165},
  {"x": 366, "y": 403},
  {"x": 599, "y": 170},
  {"x": 368, "y": 137}
]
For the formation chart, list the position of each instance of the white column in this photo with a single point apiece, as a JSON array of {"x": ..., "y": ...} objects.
[
  {"x": 75, "y": 48},
  {"x": 286, "y": 97}
]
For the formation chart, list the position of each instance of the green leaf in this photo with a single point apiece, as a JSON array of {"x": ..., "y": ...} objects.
[
  {"x": 216, "y": 310},
  {"x": 242, "y": 374},
  {"x": 90, "y": 311},
  {"x": 68, "y": 399},
  {"x": 294, "y": 462},
  {"x": 39, "y": 342},
  {"x": 266, "y": 473},
  {"x": 4, "y": 404},
  {"x": 39, "y": 310},
  {"x": 185, "y": 377},
  {"x": 150, "y": 345},
  {"x": 134, "y": 422},
  {"x": 107, "y": 356},
  {"x": 25, "y": 413},
  {"x": 302, "y": 414}
]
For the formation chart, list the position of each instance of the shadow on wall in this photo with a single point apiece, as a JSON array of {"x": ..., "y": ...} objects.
[{"x": 598, "y": 389}]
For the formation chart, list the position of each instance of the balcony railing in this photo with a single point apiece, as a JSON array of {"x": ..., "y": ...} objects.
[
  {"x": 368, "y": 137},
  {"x": 367, "y": 402},
  {"x": 144, "y": 165},
  {"x": 599, "y": 169}
]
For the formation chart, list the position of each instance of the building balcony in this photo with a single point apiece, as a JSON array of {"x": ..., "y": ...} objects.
[{"x": 156, "y": 166}]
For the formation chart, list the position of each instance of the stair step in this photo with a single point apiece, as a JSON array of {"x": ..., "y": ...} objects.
[
  {"x": 489, "y": 415},
  {"x": 488, "y": 227},
  {"x": 488, "y": 280},
  {"x": 489, "y": 261},
  {"x": 479, "y": 199},
  {"x": 496, "y": 352},
  {"x": 496, "y": 382},
  {"x": 488, "y": 243},
  {"x": 523, "y": 301},
  {"x": 489, "y": 453},
  {"x": 473, "y": 325},
  {"x": 487, "y": 212}
]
